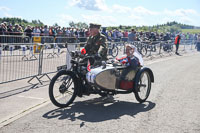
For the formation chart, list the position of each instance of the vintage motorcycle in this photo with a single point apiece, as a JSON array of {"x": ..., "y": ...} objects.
[{"x": 105, "y": 78}]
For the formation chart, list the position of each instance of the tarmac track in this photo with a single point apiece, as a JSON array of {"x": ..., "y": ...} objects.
[{"x": 173, "y": 106}]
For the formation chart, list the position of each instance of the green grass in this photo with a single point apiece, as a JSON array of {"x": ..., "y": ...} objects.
[{"x": 191, "y": 30}]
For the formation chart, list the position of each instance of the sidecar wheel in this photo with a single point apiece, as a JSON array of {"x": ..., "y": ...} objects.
[
  {"x": 142, "y": 86},
  {"x": 63, "y": 89}
]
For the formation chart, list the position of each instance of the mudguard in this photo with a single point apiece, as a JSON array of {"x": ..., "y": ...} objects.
[{"x": 142, "y": 70}]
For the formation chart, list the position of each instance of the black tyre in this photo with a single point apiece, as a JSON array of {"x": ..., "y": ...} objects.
[
  {"x": 114, "y": 51},
  {"x": 153, "y": 48},
  {"x": 142, "y": 86},
  {"x": 143, "y": 51},
  {"x": 63, "y": 89}
]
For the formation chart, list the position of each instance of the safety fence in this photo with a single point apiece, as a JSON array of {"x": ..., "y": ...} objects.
[
  {"x": 30, "y": 60},
  {"x": 36, "y": 60},
  {"x": 39, "y": 39},
  {"x": 151, "y": 48}
]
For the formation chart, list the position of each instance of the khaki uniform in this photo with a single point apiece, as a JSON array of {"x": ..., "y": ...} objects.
[{"x": 97, "y": 45}]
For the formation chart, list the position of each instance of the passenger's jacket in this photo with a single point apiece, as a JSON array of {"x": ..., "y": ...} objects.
[{"x": 130, "y": 61}]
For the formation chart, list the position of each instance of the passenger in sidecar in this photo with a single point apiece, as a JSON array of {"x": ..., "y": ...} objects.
[
  {"x": 133, "y": 62},
  {"x": 132, "y": 58}
]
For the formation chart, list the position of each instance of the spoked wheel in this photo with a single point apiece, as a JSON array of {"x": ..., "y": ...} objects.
[
  {"x": 143, "y": 86},
  {"x": 63, "y": 89},
  {"x": 143, "y": 51},
  {"x": 114, "y": 51}
]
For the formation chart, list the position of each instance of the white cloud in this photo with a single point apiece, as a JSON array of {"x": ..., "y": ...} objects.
[
  {"x": 3, "y": 8},
  {"x": 103, "y": 20},
  {"x": 121, "y": 9},
  {"x": 143, "y": 11},
  {"x": 95, "y": 5},
  {"x": 185, "y": 16},
  {"x": 4, "y": 12},
  {"x": 64, "y": 19},
  {"x": 135, "y": 17},
  {"x": 180, "y": 12},
  {"x": 8, "y": 15}
]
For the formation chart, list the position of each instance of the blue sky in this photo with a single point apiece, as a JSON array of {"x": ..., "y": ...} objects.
[{"x": 105, "y": 12}]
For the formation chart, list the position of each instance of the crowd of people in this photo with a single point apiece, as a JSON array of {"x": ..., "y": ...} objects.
[{"x": 116, "y": 34}]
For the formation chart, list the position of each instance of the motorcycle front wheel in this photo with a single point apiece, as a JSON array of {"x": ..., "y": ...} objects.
[{"x": 63, "y": 89}]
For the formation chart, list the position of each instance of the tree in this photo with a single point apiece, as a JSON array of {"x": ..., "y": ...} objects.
[
  {"x": 72, "y": 24},
  {"x": 79, "y": 25},
  {"x": 55, "y": 25}
]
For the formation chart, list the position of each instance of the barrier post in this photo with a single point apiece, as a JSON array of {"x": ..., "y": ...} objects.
[{"x": 0, "y": 53}]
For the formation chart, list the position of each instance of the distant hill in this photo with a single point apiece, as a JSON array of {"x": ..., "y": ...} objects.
[
  {"x": 168, "y": 27},
  {"x": 182, "y": 26}
]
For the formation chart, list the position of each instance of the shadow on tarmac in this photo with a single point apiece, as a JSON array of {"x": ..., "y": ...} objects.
[
  {"x": 19, "y": 90},
  {"x": 98, "y": 110}
]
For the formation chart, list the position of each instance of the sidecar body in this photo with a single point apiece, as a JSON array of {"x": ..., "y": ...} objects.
[{"x": 116, "y": 77}]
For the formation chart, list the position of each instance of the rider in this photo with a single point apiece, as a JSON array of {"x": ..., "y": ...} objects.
[{"x": 96, "y": 43}]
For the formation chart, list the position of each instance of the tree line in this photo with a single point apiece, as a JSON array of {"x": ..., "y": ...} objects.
[{"x": 168, "y": 27}]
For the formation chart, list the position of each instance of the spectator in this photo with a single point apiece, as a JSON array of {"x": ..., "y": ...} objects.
[
  {"x": 110, "y": 34},
  {"x": 28, "y": 31},
  {"x": 16, "y": 30},
  {"x": 114, "y": 35},
  {"x": 198, "y": 42},
  {"x": 132, "y": 36},
  {"x": 125, "y": 34},
  {"x": 21, "y": 31},
  {"x": 45, "y": 31},
  {"x": 10, "y": 30},
  {"x": 76, "y": 33},
  {"x": 87, "y": 33},
  {"x": 2, "y": 29},
  {"x": 72, "y": 34},
  {"x": 67, "y": 33},
  {"x": 119, "y": 34},
  {"x": 51, "y": 31},
  {"x": 36, "y": 31},
  {"x": 166, "y": 37},
  {"x": 177, "y": 42},
  {"x": 81, "y": 33},
  {"x": 152, "y": 37},
  {"x": 105, "y": 34}
]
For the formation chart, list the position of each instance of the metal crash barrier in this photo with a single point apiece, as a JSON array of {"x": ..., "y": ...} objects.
[
  {"x": 29, "y": 61},
  {"x": 36, "y": 60}
]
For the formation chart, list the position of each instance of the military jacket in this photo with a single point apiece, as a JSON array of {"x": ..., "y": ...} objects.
[{"x": 97, "y": 45}]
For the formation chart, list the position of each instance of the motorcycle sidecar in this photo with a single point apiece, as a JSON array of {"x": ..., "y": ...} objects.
[{"x": 121, "y": 79}]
